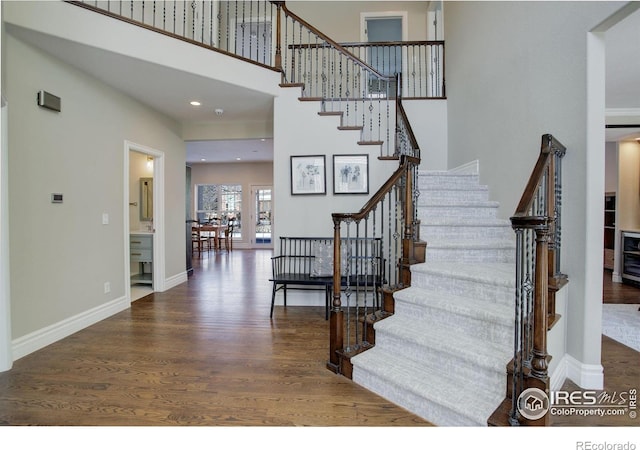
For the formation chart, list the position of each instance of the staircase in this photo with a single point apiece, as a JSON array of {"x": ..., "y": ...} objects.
[{"x": 443, "y": 353}]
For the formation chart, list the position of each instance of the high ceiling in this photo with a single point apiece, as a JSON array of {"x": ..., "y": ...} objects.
[{"x": 170, "y": 91}]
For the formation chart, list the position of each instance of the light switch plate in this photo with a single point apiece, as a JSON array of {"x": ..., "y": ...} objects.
[{"x": 105, "y": 218}]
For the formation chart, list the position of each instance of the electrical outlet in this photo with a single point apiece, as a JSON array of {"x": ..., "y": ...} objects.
[{"x": 107, "y": 287}]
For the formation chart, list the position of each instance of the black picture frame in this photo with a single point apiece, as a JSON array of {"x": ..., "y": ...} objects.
[
  {"x": 308, "y": 175},
  {"x": 351, "y": 174}
]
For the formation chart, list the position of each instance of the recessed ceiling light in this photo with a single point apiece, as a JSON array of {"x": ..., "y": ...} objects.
[
  {"x": 195, "y": 103},
  {"x": 202, "y": 159},
  {"x": 238, "y": 159}
]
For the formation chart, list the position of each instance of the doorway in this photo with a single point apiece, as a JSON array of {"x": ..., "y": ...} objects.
[
  {"x": 262, "y": 216},
  {"x": 143, "y": 221},
  {"x": 384, "y": 27}
]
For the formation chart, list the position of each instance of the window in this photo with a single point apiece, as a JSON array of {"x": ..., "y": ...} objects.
[{"x": 221, "y": 203}]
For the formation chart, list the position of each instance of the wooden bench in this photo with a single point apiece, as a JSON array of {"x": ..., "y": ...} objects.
[{"x": 306, "y": 263}]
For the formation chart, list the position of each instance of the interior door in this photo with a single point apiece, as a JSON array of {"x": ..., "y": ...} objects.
[
  {"x": 386, "y": 59},
  {"x": 262, "y": 216}
]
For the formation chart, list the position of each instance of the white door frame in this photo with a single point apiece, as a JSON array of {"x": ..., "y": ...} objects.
[
  {"x": 386, "y": 15},
  {"x": 158, "y": 265},
  {"x": 404, "y": 16},
  {"x": 6, "y": 352},
  {"x": 253, "y": 188}
]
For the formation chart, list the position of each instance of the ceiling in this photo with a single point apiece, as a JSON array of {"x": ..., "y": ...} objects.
[{"x": 170, "y": 91}]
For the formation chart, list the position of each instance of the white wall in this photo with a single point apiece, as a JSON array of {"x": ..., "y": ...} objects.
[
  {"x": 62, "y": 254},
  {"x": 428, "y": 120},
  {"x": 299, "y": 130},
  {"x": 517, "y": 70}
]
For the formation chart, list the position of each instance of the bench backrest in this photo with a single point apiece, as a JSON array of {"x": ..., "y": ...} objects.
[{"x": 314, "y": 256}]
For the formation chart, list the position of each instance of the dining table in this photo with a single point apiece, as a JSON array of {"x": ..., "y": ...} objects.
[{"x": 217, "y": 231}]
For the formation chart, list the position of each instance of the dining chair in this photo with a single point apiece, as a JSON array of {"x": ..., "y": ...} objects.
[
  {"x": 198, "y": 240},
  {"x": 228, "y": 237}
]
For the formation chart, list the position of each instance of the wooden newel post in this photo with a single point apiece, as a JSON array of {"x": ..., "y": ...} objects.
[
  {"x": 336, "y": 318},
  {"x": 539, "y": 360},
  {"x": 408, "y": 255}
]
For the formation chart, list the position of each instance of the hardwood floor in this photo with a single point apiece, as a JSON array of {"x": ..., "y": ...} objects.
[
  {"x": 203, "y": 353},
  {"x": 206, "y": 353},
  {"x": 618, "y": 292}
]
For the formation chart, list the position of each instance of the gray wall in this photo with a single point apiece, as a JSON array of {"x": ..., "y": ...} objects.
[{"x": 61, "y": 254}]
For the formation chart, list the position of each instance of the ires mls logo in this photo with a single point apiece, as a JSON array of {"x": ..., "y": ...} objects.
[{"x": 534, "y": 403}]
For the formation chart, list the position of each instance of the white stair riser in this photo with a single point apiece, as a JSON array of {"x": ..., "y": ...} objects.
[
  {"x": 447, "y": 181},
  {"x": 444, "y": 195},
  {"x": 438, "y": 233},
  {"x": 464, "y": 288},
  {"x": 427, "y": 211},
  {"x": 499, "y": 334},
  {"x": 470, "y": 254},
  {"x": 461, "y": 371}
]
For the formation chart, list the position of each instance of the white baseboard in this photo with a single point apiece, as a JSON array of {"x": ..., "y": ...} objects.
[
  {"x": 559, "y": 375},
  {"x": 175, "y": 280},
  {"x": 587, "y": 376},
  {"x": 32, "y": 342}
]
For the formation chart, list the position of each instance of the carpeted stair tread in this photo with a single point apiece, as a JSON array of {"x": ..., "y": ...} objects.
[
  {"x": 430, "y": 390},
  {"x": 498, "y": 274},
  {"x": 464, "y": 347},
  {"x": 490, "y": 312}
]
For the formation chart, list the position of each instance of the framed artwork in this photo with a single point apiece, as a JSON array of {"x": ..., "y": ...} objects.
[
  {"x": 308, "y": 175},
  {"x": 351, "y": 174}
]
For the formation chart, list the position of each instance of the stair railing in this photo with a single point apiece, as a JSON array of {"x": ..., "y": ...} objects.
[
  {"x": 420, "y": 63},
  {"x": 538, "y": 237},
  {"x": 344, "y": 84},
  {"x": 390, "y": 216},
  {"x": 242, "y": 29}
]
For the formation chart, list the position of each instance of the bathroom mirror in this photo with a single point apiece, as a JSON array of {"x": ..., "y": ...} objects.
[{"x": 146, "y": 199}]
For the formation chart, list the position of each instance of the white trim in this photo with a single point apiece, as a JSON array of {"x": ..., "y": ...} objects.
[
  {"x": 471, "y": 168},
  {"x": 622, "y": 112},
  {"x": 587, "y": 376},
  {"x": 32, "y": 342},
  {"x": 6, "y": 358},
  {"x": 559, "y": 375},
  {"x": 387, "y": 15},
  {"x": 175, "y": 280}
]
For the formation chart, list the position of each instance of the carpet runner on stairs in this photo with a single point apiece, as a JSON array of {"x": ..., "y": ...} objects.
[{"x": 443, "y": 354}]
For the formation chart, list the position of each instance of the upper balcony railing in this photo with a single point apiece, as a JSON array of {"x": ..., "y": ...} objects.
[{"x": 248, "y": 30}]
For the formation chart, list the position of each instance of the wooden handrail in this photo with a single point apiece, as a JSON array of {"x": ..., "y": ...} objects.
[
  {"x": 550, "y": 146},
  {"x": 371, "y": 44},
  {"x": 333, "y": 43}
]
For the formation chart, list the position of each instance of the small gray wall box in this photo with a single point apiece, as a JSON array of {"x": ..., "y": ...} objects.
[{"x": 49, "y": 101}]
